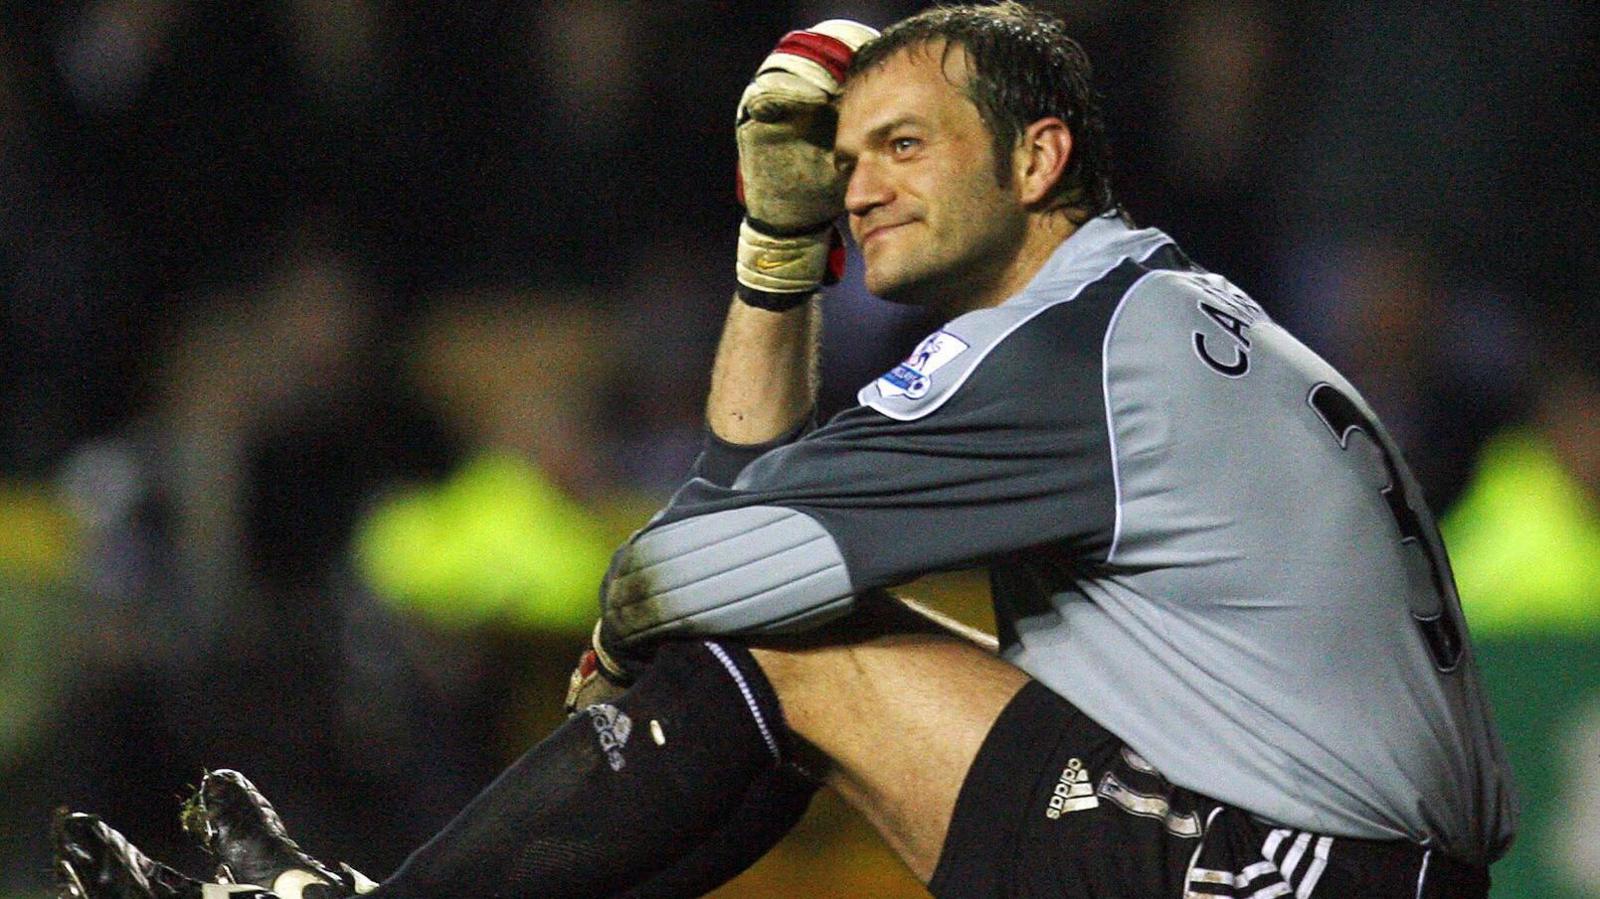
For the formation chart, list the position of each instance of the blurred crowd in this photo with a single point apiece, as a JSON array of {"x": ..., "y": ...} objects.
[{"x": 341, "y": 340}]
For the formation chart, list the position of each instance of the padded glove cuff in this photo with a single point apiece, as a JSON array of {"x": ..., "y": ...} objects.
[{"x": 779, "y": 272}]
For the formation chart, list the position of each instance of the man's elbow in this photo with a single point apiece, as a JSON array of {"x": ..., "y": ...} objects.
[{"x": 755, "y": 570}]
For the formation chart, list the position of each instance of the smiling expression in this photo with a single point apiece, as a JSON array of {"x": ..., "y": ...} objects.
[{"x": 925, "y": 202}]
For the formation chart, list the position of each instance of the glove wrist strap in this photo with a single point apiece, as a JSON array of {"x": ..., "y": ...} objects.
[
  {"x": 770, "y": 300},
  {"x": 778, "y": 271},
  {"x": 767, "y": 229}
]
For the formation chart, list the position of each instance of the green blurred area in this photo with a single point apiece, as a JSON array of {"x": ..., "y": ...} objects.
[
  {"x": 1524, "y": 542},
  {"x": 1544, "y": 688},
  {"x": 38, "y": 546}
]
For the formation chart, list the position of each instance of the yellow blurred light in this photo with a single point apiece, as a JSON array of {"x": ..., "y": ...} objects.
[
  {"x": 1524, "y": 542},
  {"x": 39, "y": 537},
  {"x": 496, "y": 543}
]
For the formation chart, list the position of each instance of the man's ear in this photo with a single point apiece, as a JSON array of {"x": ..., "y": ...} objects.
[{"x": 1041, "y": 159}]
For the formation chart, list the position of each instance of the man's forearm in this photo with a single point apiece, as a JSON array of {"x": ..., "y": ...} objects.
[{"x": 765, "y": 376}]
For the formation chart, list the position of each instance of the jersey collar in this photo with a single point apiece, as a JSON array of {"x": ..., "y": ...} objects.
[{"x": 1099, "y": 245}]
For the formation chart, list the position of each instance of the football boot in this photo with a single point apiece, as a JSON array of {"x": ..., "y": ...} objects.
[
  {"x": 236, "y": 824},
  {"x": 94, "y": 861}
]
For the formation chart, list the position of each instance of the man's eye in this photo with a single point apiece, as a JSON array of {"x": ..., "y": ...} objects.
[{"x": 904, "y": 145}]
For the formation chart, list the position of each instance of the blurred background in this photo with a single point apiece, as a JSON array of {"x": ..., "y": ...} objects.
[{"x": 341, "y": 340}]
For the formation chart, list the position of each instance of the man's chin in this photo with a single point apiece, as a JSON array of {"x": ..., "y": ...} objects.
[{"x": 909, "y": 291}]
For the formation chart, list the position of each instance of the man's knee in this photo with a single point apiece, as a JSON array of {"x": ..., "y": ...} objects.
[
  {"x": 895, "y": 706},
  {"x": 892, "y": 674}
]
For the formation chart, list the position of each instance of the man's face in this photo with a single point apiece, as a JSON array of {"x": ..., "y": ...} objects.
[{"x": 926, "y": 207}]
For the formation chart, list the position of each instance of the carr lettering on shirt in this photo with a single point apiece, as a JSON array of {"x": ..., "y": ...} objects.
[{"x": 1234, "y": 313}]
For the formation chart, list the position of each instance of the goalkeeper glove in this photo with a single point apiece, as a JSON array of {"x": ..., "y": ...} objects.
[
  {"x": 790, "y": 189},
  {"x": 598, "y": 677}
]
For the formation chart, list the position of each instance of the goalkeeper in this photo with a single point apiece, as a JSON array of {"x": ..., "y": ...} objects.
[{"x": 1231, "y": 660}]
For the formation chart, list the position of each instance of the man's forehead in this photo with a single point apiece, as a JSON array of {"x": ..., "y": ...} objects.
[{"x": 931, "y": 67}]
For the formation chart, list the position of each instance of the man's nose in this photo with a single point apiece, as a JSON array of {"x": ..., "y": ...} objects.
[{"x": 867, "y": 188}]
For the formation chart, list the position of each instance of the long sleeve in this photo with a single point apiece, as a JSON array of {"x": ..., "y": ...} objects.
[{"x": 990, "y": 439}]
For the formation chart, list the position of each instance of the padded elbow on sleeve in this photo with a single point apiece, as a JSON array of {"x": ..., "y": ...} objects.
[{"x": 761, "y": 569}]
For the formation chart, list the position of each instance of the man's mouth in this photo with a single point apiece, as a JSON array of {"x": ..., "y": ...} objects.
[{"x": 876, "y": 230}]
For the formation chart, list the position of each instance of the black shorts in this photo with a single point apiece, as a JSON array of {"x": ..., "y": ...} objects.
[{"x": 1055, "y": 806}]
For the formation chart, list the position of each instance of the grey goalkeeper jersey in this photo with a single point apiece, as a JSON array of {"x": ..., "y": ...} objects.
[{"x": 1196, "y": 532}]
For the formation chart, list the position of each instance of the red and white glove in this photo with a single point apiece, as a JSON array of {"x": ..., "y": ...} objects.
[{"x": 791, "y": 191}]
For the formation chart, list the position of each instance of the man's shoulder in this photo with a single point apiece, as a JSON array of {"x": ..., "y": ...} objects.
[{"x": 1055, "y": 328}]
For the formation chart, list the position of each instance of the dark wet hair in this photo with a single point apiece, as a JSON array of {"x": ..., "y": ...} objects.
[{"x": 1024, "y": 68}]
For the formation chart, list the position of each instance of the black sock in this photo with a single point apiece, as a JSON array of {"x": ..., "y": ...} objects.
[
  {"x": 618, "y": 793},
  {"x": 771, "y": 807}
]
